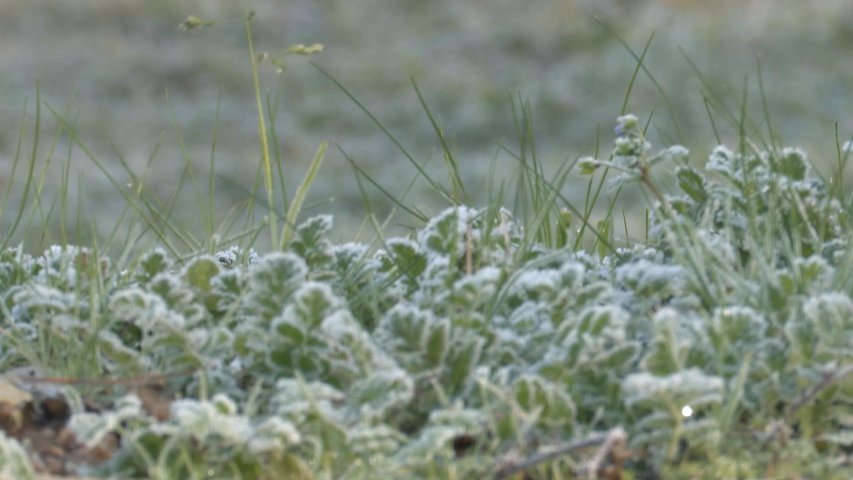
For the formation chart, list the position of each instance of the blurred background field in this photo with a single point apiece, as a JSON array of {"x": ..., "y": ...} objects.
[{"x": 137, "y": 88}]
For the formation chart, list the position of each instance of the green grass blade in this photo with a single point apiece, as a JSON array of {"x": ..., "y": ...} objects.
[
  {"x": 456, "y": 184},
  {"x": 299, "y": 197},
  {"x": 433, "y": 184},
  {"x": 262, "y": 132}
]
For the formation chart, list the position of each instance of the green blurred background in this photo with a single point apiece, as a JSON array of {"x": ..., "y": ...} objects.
[{"x": 108, "y": 65}]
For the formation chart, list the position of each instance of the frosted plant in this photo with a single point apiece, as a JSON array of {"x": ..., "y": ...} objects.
[{"x": 468, "y": 343}]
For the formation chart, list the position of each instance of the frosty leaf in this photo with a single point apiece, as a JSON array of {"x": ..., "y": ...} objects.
[
  {"x": 676, "y": 154},
  {"x": 682, "y": 387},
  {"x": 725, "y": 162},
  {"x": 472, "y": 291},
  {"x": 617, "y": 358},
  {"x": 310, "y": 242},
  {"x": 462, "y": 358},
  {"x": 792, "y": 163},
  {"x": 173, "y": 292},
  {"x": 200, "y": 272},
  {"x": 369, "y": 441},
  {"x": 406, "y": 256},
  {"x": 42, "y": 300},
  {"x": 288, "y": 325},
  {"x": 226, "y": 289},
  {"x": 830, "y": 317},
  {"x": 223, "y": 404},
  {"x": 595, "y": 319},
  {"x": 535, "y": 394},
  {"x": 740, "y": 325},
  {"x": 444, "y": 235},
  {"x": 152, "y": 263},
  {"x": 143, "y": 309},
  {"x": 297, "y": 400},
  {"x": 666, "y": 353},
  {"x": 273, "y": 435},
  {"x": 592, "y": 293},
  {"x": 313, "y": 302},
  {"x": 434, "y": 342},
  {"x": 201, "y": 419},
  {"x": 588, "y": 165},
  {"x": 12, "y": 270},
  {"x": 348, "y": 256},
  {"x": 272, "y": 281},
  {"x": 381, "y": 391},
  {"x": 812, "y": 272},
  {"x": 649, "y": 279},
  {"x": 535, "y": 284},
  {"x": 403, "y": 328},
  {"x": 113, "y": 351}
]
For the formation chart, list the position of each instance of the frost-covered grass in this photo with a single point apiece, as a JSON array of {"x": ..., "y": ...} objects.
[{"x": 522, "y": 337}]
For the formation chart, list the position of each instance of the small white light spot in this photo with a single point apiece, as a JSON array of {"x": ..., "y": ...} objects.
[{"x": 686, "y": 411}]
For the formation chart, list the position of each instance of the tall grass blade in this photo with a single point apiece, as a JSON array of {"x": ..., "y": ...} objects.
[
  {"x": 262, "y": 132},
  {"x": 456, "y": 184},
  {"x": 437, "y": 187},
  {"x": 30, "y": 171},
  {"x": 299, "y": 197}
]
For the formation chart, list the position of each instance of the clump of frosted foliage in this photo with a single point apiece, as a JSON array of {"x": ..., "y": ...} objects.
[{"x": 349, "y": 361}]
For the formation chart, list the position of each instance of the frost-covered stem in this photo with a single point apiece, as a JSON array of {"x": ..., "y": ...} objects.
[{"x": 508, "y": 471}]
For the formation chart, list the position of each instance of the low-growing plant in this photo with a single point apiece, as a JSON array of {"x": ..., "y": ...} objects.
[{"x": 483, "y": 345}]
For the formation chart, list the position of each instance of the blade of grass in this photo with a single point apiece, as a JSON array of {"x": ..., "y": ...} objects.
[
  {"x": 438, "y": 188},
  {"x": 262, "y": 132},
  {"x": 30, "y": 170},
  {"x": 74, "y": 137},
  {"x": 707, "y": 105},
  {"x": 639, "y": 60},
  {"x": 272, "y": 111},
  {"x": 211, "y": 177},
  {"x": 189, "y": 168},
  {"x": 360, "y": 172},
  {"x": 765, "y": 108},
  {"x": 299, "y": 197},
  {"x": 456, "y": 184}
]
